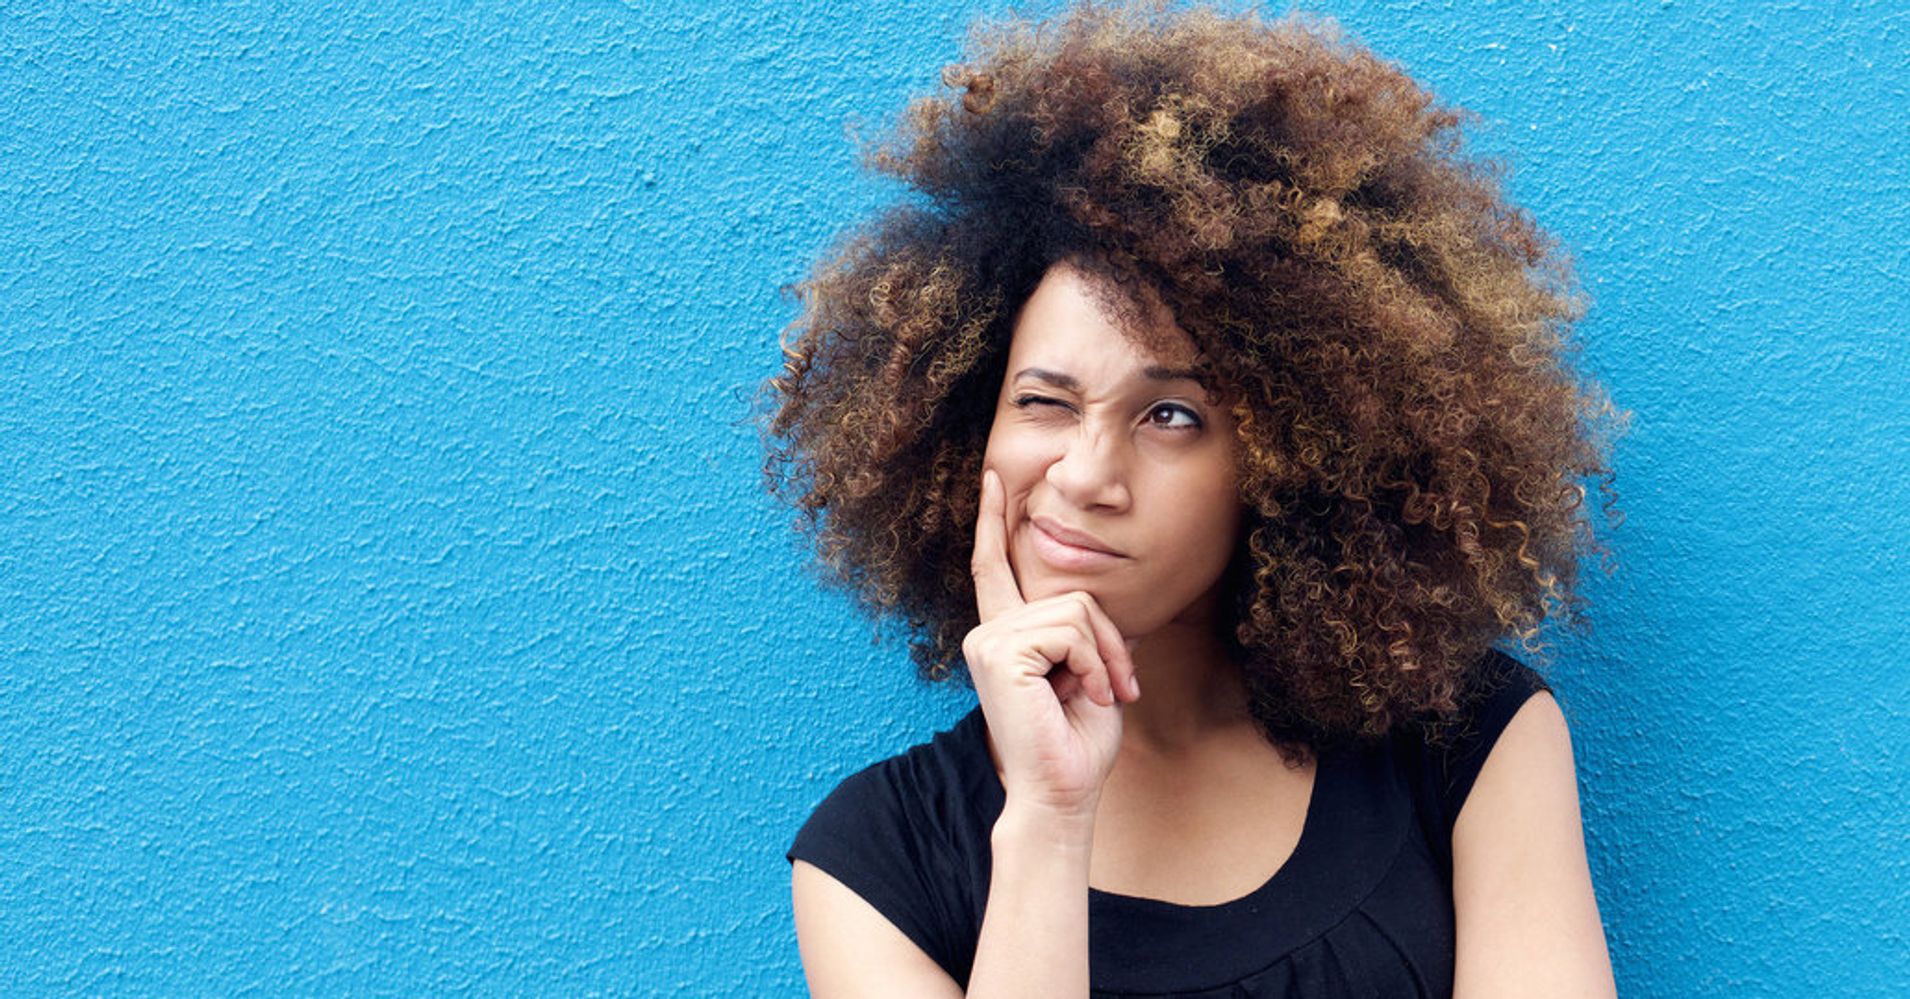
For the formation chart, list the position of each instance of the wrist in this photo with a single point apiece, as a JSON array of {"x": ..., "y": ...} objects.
[{"x": 1039, "y": 825}]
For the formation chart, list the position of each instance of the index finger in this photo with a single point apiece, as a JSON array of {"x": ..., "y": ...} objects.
[{"x": 996, "y": 591}]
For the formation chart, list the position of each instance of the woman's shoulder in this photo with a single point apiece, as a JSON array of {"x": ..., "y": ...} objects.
[
  {"x": 909, "y": 834},
  {"x": 1497, "y": 690},
  {"x": 1447, "y": 753},
  {"x": 948, "y": 763},
  {"x": 952, "y": 764},
  {"x": 929, "y": 801}
]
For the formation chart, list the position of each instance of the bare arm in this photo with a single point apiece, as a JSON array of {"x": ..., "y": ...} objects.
[
  {"x": 1522, "y": 891},
  {"x": 1034, "y": 937},
  {"x": 849, "y": 950},
  {"x": 1051, "y": 676}
]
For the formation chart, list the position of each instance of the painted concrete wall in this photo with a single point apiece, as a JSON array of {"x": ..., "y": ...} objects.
[{"x": 387, "y": 602}]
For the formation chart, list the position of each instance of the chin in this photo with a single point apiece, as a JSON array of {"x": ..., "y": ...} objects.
[
  {"x": 1196, "y": 615},
  {"x": 1042, "y": 586},
  {"x": 1132, "y": 616}
]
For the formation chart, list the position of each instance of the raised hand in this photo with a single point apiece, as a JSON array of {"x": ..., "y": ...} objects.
[{"x": 1051, "y": 675}]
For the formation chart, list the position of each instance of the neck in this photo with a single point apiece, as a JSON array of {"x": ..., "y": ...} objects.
[{"x": 1191, "y": 690}]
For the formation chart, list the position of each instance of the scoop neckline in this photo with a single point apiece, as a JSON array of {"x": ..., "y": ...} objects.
[
  {"x": 1303, "y": 849},
  {"x": 1309, "y": 834},
  {"x": 1348, "y": 841}
]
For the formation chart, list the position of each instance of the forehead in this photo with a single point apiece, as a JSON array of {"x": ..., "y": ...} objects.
[{"x": 1082, "y": 321}]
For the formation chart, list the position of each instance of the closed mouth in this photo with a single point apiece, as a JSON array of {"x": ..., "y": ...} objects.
[{"x": 1073, "y": 538}]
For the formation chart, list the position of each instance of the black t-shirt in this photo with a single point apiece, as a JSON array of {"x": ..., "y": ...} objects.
[{"x": 1362, "y": 907}]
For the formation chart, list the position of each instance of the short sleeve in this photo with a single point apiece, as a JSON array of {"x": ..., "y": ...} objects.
[
  {"x": 1502, "y": 687},
  {"x": 862, "y": 836},
  {"x": 1450, "y": 763}
]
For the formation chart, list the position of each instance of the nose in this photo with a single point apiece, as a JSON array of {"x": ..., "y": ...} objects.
[{"x": 1091, "y": 471}]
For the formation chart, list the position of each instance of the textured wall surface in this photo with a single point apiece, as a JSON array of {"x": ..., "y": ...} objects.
[{"x": 388, "y": 605}]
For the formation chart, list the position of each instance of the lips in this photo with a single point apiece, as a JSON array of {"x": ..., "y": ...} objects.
[
  {"x": 1073, "y": 538},
  {"x": 1064, "y": 549}
]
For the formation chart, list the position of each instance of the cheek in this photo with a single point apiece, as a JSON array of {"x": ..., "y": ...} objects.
[
  {"x": 1018, "y": 459},
  {"x": 1212, "y": 527},
  {"x": 1018, "y": 471}
]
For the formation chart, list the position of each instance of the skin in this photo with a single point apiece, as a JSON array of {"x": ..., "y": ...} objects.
[
  {"x": 1095, "y": 433},
  {"x": 1174, "y": 796}
]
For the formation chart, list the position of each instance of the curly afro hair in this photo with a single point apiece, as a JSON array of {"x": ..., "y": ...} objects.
[{"x": 1391, "y": 334}]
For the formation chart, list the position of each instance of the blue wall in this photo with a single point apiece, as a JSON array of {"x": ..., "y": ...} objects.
[{"x": 388, "y": 604}]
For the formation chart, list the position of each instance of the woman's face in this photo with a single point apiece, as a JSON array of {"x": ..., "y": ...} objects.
[{"x": 1118, "y": 468}]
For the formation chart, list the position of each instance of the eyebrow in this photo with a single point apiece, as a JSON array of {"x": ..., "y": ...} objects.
[{"x": 1153, "y": 372}]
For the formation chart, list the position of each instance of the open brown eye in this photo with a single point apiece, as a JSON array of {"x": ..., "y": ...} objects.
[{"x": 1164, "y": 416}]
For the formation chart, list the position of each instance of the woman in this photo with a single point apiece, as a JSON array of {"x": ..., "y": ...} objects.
[{"x": 1206, "y": 365}]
